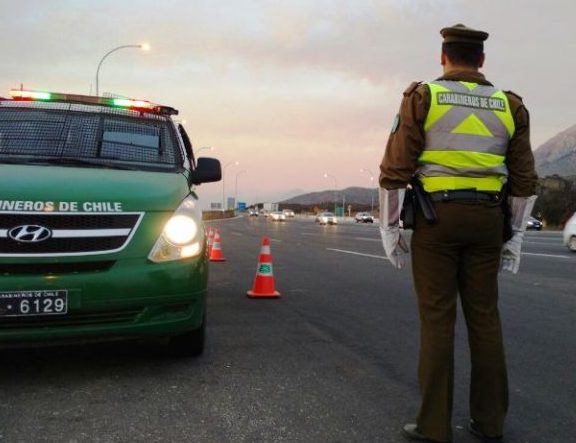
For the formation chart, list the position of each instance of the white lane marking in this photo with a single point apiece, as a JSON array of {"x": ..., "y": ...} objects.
[
  {"x": 541, "y": 243},
  {"x": 386, "y": 258},
  {"x": 358, "y": 253},
  {"x": 544, "y": 255}
]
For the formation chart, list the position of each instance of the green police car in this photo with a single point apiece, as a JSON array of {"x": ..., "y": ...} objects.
[{"x": 101, "y": 234}]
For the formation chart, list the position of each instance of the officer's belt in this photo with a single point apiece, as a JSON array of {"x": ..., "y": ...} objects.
[{"x": 446, "y": 196}]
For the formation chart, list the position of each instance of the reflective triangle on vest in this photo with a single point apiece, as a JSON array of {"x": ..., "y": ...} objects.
[{"x": 472, "y": 125}]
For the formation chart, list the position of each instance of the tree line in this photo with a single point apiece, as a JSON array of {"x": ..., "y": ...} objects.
[{"x": 556, "y": 200}]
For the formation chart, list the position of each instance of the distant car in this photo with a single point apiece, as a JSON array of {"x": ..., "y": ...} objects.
[
  {"x": 363, "y": 217},
  {"x": 534, "y": 224},
  {"x": 288, "y": 213},
  {"x": 277, "y": 216},
  {"x": 264, "y": 212},
  {"x": 253, "y": 213},
  {"x": 326, "y": 218},
  {"x": 569, "y": 234}
]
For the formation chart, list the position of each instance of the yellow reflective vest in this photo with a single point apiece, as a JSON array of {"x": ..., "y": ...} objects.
[{"x": 468, "y": 128}]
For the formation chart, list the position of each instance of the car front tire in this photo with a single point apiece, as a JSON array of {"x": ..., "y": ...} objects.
[{"x": 189, "y": 344}]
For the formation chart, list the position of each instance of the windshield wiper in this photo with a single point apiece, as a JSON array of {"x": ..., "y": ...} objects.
[
  {"x": 89, "y": 162},
  {"x": 67, "y": 161}
]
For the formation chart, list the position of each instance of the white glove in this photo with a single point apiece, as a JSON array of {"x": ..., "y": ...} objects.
[
  {"x": 394, "y": 244},
  {"x": 510, "y": 259},
  {"x": 520, "y": 210}
]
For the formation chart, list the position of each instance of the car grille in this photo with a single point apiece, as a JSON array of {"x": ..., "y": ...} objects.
[{"x": 70, "y": 234}]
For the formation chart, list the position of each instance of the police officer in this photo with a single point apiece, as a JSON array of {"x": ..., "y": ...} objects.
[{"x": 464, "y": 139}]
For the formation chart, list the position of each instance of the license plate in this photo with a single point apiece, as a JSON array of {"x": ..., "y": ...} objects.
[{"x": 26, "y": 303}]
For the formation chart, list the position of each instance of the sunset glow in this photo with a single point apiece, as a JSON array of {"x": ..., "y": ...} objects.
[{"x": 291, "y": 90}]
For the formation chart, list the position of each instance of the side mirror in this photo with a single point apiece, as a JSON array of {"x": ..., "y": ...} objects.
[{"x": 207, "y": 170}]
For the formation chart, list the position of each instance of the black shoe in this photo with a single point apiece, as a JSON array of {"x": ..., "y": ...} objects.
[
  {"x": 472, "y": 428},
  {"x": 411, "y": 432}
]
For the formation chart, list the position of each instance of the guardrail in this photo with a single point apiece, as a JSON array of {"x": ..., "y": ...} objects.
[{"x": 217, "y": 215}]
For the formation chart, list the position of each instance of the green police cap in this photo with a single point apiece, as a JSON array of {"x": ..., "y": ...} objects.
[{"x": 463, "y": 34}]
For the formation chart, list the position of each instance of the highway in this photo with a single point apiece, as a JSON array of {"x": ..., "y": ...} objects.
[{"x": 332, "y": 360}]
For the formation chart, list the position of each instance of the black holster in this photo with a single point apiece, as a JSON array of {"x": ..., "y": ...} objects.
[
  {"x": 417, "y": 199},
  {"x": 507, "y": 232},
  {"x": 409, "y": 208}
]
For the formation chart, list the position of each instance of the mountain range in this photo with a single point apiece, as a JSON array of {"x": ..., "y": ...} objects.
[
  {"x": 352, "y": 195},
  {"x": 557, "y": 156}
]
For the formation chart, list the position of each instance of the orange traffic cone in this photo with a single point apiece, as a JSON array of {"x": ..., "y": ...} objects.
[
  {"x": 210, "y": 240},
  {"x": 264, "y": 280},
  {"x": 216, "y": 251}
]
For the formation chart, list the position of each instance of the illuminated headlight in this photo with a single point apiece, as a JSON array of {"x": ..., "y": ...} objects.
[
  {"x": 180, "y": 230},
  {"x": 182, "y": 237}
]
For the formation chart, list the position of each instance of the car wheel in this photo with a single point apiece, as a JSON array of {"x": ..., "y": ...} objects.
[
  {"x": 572, "y": 243},
  {"x": 189, "y": 344}
]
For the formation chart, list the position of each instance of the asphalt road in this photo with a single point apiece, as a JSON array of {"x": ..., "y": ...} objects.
[{"x": 332, "y": 360}]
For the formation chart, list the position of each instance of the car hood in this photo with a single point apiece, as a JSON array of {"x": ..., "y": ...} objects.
[{"x": 51, "y": 188}]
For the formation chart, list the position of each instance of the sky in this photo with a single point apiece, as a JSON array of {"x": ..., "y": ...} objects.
[{"x": 287, "y": 91}]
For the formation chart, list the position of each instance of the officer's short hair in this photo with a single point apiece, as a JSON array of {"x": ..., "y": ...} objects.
[{"x": 461, "y": 53}]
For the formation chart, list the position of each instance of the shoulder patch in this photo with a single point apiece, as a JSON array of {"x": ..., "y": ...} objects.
[
  {"x": 410, "y": 89},
  {"x": 512, "y": 93},
  {"x": 395, "y": 124}
]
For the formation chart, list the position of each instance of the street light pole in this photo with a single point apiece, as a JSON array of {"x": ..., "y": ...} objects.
[
  {"x": 236, "y": 163},
  {"x": 236, "y": 186},
  {"x": 326, "y": 175},
  {"x": 371, "y": 190},
  {"x": 144, "y": 47}
]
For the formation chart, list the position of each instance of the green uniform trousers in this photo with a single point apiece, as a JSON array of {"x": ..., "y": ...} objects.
[{"x": 460, "y": 254}]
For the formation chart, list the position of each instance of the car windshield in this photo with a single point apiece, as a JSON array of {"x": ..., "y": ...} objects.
[
  {"x": 90, "y": 139},
  {"x": 327, "y": 214}
]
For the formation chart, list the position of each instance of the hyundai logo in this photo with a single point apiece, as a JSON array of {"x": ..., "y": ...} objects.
[{"x": 29, "y": 233}]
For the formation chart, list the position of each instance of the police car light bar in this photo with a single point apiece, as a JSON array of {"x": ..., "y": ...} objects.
[
  {"x": 129, "y": 103},
  {"x": 18, "y": 94},
  {"x": 137, "y": 105}
]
